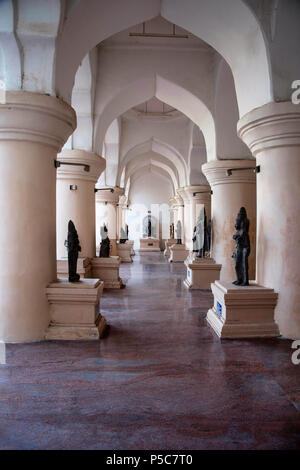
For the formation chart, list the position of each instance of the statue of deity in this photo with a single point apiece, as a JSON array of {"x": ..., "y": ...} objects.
[
  {"x": 73, "y": 246},
  {"x": 149, "y": 226},
  {"x": 178, "y": 233},
  {"x": 194, "y": 239},
  {"x": 172, "y": 231},
  {"x": 242, "y": 248},
  {"x": 105, "y": 243},
  {"x": 123, "y": 235}
]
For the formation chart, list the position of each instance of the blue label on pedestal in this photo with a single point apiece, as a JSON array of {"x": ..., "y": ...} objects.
[{"x": 219, "y": 308}]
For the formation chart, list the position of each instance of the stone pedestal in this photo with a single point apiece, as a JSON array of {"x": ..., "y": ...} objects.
[
  {"x": 74, "y": 310},
  {"x": 243, "y": 311},
  {"x": 201, "y": 272},
  {"x": 131, "y": 243},
  {"x": 168, "y": 244},
  {"x": 179, "y": 253},
  {"x": 149, "y": 244},
  {"x": 84, "y": 268},
  {"x": 107, "y": 269},
  {"x": 124, "y": 252}
]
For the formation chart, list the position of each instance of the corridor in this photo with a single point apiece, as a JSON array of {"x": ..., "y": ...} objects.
[{"x": 160, "y": 379}]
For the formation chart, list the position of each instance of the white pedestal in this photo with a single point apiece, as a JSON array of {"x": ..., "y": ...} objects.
[
  {"x": 74, "y": 310},
  {"x": 84, "y": 268},
  {"x": 131, "y": 243},
  {"x": 243, "y": 311},
  {"x": 124, "y": 252},
  {"x": 168, "y": 244},
  {"x": 179, "y": 253},
  {"x": 149, "y": 244},
  {"x": 201, "y": 272},
  {"x": 107, "y": 269}
]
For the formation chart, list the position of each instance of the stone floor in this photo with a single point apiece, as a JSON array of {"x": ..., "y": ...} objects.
[{"x": 161, "y": 379}]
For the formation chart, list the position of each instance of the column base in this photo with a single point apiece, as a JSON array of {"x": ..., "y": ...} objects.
[
  {"x": 74, "y": 310},
  {"x": 107, "y": 269},
  {"x": 201, "y": 272},
  {"x": 178, "y": 254},
  {"x": 84, "y": 268},
  {"x": 124, "y": 252},
  {"x": 149, "y": 244},
  {"x": 243, "y": 311},
  {"x": 168, "y": 244}
]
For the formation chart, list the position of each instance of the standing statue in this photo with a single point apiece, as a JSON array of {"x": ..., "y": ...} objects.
[
  {"x": 123, "y": 236},
  {"x": 200, "y": 231},
  {"x": 178, "y": 233},
  {"x": 172, "y": 231},
  {"x": 73, "y": 246},
  {"x": 208, "y": 236},
  {"x": 105, "y": 243},
  {"x": 242, "y": 248},
  {"x": 194, "y": 239},
  {"x": 149, "y": 225}
]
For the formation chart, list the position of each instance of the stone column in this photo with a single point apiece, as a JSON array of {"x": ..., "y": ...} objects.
[
  {"x": 191, "y": 200},
  {"x": 77, "y": 204},
  {"x": 230, "y": 193},
  {"x": 106, "y": 210},
  {"x": 272, "y": 132},
  {"x": 33, "y": 129}
]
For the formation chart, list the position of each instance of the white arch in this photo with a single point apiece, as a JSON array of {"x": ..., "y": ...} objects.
[
  {"x": 156, "y": 146},
  {"x": 229, "y": 26},
  {"x": 169, "y": 92},
  {"x": 154, "y": 163},
  {"x": 153, "y": 169}
]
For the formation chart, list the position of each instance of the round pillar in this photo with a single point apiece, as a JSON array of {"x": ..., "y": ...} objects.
[
  {"x": 230, "y": 193},
  {"x": 33, "y": 128},
  {"x": 272, "y": 132},
  {"x": 76, "y": 199},
  {"x": 106, "y": 212}
]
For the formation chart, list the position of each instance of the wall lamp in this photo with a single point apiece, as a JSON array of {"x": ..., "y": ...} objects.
[
  {"x": 230, "y": 170},
  {"x": 104, "y": 189},
  {"x": 202, "y": 192},
  {"x": 58, "y": 163}
]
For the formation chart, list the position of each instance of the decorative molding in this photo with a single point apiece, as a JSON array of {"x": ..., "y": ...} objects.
[
  {"x": 216, "y": 172},
  {"x": 37, "y": 118},
  {"x": 271, "y": 126},
  {"x": 95, "y": 162}
]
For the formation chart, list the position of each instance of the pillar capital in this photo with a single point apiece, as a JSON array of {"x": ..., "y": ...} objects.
[
  {"x": 95, "y": 162},
  {"x": 195, "y": 193},
  {"x": 179, "y": 197},
  {"x": 243, "y": 171},
  {"x": 271, "y": 126},
  {"x": 110, "y": 195},
  {"x": 36, "y": 118}
]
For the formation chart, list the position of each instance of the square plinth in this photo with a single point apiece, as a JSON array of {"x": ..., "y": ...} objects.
[
  {"x": 131, "y": 243},
  {"x": 107, "y": 269},
  {"x": 178, "y": 254},
  {"x": 124, "y": 252},
  {"x": 201, "y": 272},
  {"x": 84, "y": 268},
  {"x": 149, "y": 244},
  {"x": 74, "y": 310},
  {"x": 243, "y": 311},
  {"x": 168, "y": 244}
]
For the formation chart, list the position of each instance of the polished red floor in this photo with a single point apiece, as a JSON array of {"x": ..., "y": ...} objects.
[{"x": 161, "y": 379}]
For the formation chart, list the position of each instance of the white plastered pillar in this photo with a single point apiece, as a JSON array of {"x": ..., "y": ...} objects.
[
  {"x": 33, "y": 129},
  {"x": 230, "y": 193},
  {"x": 272, "y": 132},
  {"x": 106, "y": 212},
  {"x": 76, "y": 199}
]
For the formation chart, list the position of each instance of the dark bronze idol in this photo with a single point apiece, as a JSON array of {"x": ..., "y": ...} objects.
[
  {"x": 242, "y": 248},
  {"x": 73, "y": 246},
  {"x": 105, "y": 243}
]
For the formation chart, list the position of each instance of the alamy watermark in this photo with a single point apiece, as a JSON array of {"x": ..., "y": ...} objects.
[
  {"x": 2, "y": 353},
  {"x": 296, "y": 354},
  {"x": 296, "y": 94}
]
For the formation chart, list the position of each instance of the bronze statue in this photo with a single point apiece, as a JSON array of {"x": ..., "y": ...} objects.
[
  {"x": 178, "y": 233},
  {"x": 149, "y": 225},
  {"x": 73, "y": 246},
  {"x": 242, "y": 248},
  {"x": 105, "y": 243}
]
